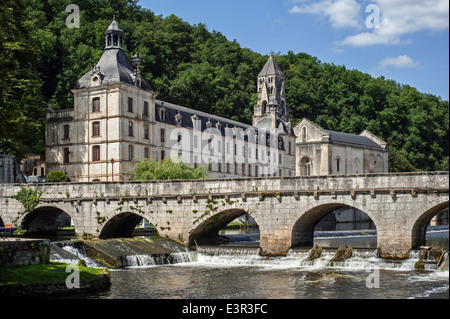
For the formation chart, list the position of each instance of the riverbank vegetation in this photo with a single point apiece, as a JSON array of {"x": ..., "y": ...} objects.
[
  {"x": 41, "y": 60},
  {"x": 51, "y": 273}
]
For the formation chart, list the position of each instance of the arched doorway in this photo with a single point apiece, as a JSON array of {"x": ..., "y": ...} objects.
[
  {"x": 305, "y": 166},
  {"x": 208, "y": 232}
]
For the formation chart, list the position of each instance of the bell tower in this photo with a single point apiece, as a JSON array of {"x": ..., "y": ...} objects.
[{"x": 271, "y": 94}]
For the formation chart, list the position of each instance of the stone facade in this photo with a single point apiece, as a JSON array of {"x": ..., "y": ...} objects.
[
  {"x": 322, "y": 152},
  {"x": 116, "y": 116}
]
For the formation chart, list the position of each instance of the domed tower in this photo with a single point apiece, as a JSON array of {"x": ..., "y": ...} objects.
[{"x": 111, "y": 122}]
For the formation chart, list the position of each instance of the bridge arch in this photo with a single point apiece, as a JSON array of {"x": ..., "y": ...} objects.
[
  {"x": 419, "y": 228},
  {"x": 45, "y": 220},
  {"x": 207, "y": 231},
  {"x": 121, "y": 225},
  {"x": 303, "y": 229}
]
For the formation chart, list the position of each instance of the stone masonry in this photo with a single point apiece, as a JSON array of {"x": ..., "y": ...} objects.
[{"x": 285, "y": 209}]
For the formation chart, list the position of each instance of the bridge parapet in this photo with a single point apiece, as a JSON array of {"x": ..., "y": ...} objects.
[{"x": 373, "y": 183}]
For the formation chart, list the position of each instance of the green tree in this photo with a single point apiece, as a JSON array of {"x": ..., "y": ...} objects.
[{"x": 148, "y": 170}]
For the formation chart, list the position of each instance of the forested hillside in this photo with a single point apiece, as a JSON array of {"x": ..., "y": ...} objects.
[{"x": 41, "y": 60}]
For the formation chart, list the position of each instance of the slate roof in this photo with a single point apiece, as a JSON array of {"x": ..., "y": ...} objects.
[
  {"x": 351, "y": 139},
  {"x": 172, "y": 110},
  {"x": 271, "y": 68},
  {"x": 115, "y": 68},
  {"x": 114, "y": 28}
]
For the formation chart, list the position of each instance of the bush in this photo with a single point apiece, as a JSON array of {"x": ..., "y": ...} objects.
[
  {"x": 147, "y": 170},
  {"x": 55, "y": 177}
]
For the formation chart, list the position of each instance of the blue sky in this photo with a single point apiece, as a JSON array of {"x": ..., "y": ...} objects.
[{"x": 410, "y": 44}]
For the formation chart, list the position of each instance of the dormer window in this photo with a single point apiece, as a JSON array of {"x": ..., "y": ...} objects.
[
  {"x": 178, "y": 118},
  {"x": 162, "y": 114}
]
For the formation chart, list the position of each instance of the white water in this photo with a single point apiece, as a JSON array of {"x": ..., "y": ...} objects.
[
  {"x": 296, "y": 258},
  {"x": 71, "y": 255}
]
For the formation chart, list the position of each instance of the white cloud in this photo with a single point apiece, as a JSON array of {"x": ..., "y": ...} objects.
[
  {"x": 341, "y": 13},
  {"x": 402, "y": 61},
  {"x": 400, "y": 18}
]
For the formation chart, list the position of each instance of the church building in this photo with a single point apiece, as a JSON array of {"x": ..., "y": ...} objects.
[{"x": 117, "y": 118}]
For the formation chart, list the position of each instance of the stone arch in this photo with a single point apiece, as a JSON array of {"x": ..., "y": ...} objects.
[
  {"x": 419, "y": 228},
  {"x": 305, "y": 166},
  {"x": 303, "y": 229},
  {"x": 46, "y": 219},
  {"x": 122, "y": 225},
  {"x": 206, "y": 232}
]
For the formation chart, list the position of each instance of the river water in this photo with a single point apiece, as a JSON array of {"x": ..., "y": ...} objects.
[{"x": 236, "y": 271}]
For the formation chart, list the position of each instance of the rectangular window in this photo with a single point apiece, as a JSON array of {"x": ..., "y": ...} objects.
[
  {"x": 96, "y": 104},
  {"x": 243, "y": 169},
  {"x": 130, "y": 128},
  {"x": 290, "y": 150},
  {"x": 249, "y": 170},
  {"x": 96, "y": 129},
  {"x": 66, "y": 132},
  {"x": 145, "y": 112},
  {"x": 146, "y": 152},
  {"x": 96, "y": 153},
  {"x": 228, "y": 168},
  {"x": 146, "y": 135},
  {"x": 130, "y": 104},
  {"x": 163, "y": 155},
  {"x": 163, "y": 135},
  {"x": 130, "y": 152},
  {"x": 256, "y": 170},
  {"x": 66, "y": 155},
  {"x": 195, "y": 141}
]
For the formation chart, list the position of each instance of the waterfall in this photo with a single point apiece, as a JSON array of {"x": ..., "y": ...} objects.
[
  {"x": 66, "y": 252},
  {"x": 134, "y": 261},
  {"x": 361, "y": 259}
]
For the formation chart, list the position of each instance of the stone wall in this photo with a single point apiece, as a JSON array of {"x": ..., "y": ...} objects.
[{"x": 17, "y": 252}]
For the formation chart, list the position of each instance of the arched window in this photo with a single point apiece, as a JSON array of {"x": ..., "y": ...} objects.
[
  {"x": 264, "y": 107},
  {"x": 305, "y": 166},
  {"x": 304, "y": 134}
]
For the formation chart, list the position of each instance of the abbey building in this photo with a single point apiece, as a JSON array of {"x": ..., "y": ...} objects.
[{"x": 117, "y": 118}]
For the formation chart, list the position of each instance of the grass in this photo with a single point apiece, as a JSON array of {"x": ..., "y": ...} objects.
[{"x": 44, "y": 274}]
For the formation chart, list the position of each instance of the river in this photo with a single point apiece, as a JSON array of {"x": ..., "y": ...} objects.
[{"x": 236, "y": 271}]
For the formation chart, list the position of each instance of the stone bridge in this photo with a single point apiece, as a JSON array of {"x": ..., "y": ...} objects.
[{"x": 285, "y": 209}]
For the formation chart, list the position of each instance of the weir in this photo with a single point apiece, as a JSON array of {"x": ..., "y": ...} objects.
[{"x": 128, "y": 255}]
